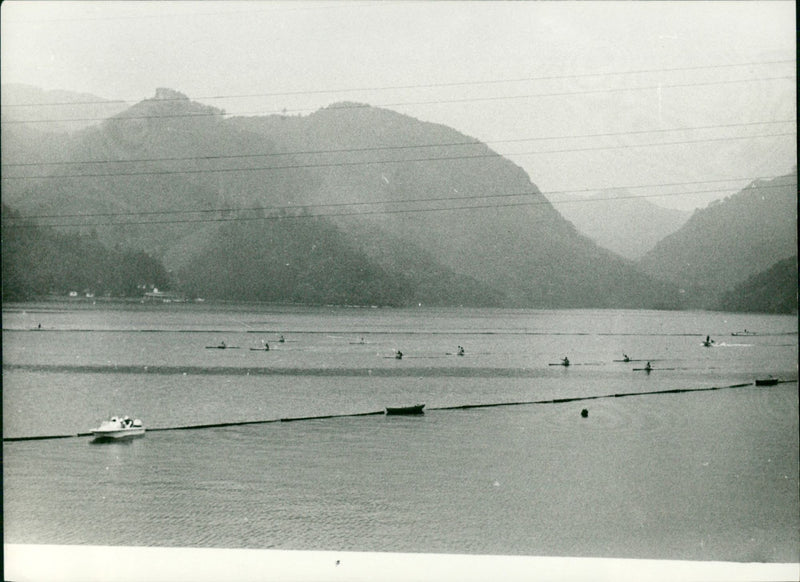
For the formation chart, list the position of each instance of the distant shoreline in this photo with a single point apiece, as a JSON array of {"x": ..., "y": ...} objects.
[{"x": 10, "y": 306}]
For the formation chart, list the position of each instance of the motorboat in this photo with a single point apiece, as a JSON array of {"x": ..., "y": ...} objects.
[
  {"x": 119, "y": 428},
  {"x": 414, "y": 409}
]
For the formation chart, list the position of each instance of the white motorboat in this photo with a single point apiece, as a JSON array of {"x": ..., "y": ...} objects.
[{"x": 119, "y": 428}]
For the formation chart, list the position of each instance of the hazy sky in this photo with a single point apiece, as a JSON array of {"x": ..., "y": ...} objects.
[{"x": 718, "y": 78}]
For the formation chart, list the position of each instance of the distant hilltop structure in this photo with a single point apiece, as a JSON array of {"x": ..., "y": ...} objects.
[{"x": 163, "y": 93}]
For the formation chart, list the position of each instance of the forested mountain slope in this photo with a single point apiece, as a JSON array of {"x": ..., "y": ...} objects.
[
  {"x": 722, "y": 245},
  {"x": 425, "y": 212}
]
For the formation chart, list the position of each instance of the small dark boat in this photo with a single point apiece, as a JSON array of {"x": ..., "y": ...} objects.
[
  {"x": 767, "y": 381},
  {"x": 415, "y": 409}
]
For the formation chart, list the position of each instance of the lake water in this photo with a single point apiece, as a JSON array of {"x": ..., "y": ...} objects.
[{"x": 706, "y": 474}]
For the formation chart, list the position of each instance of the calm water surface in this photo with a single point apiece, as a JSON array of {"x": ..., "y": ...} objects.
[{"x": 710, "y": 475}]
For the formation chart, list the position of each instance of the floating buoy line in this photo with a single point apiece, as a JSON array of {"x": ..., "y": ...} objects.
[{"x": 381, "y": 412}]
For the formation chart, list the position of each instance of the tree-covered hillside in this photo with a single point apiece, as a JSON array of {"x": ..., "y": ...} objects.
[
  {"x": 473, "y": 211},
  {"x": 304, "y": 259},
  {"x": 771, "y": 291},
  {"x": 38, "y": 261},
  {"x": 722, "y": 245}
]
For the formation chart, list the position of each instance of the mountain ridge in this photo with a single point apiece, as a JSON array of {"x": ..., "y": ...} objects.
[
  {"x": 628, "y": 225},
  {"x": 397, "y": 188},
  {"x": 29, "y": 105},
  {"x": 773, "y": 290},
  {"x": 723, "y": 244}
]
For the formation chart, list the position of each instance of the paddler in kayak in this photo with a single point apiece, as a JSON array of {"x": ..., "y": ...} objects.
[{"x": 565, "y": 361}]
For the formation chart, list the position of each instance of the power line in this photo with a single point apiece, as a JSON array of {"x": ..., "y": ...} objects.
[
  {"x": 372, "y": 212},
  {"x": 219, "y": 113},
  {"x": 397, "y": 161},
  {"x": 437, "y": 199},
  {"x": 472, "y": 142},
  {"x": 585, "y": 92},
  {"x": 276, "y": 208},
  {"x": 420, "y": 86}
]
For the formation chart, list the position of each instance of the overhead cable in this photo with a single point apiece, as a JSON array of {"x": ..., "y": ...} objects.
[
  {"x": 539, "y": 202},
  {"x": 417, "y": 86},
  {"x": 470, "y": 142},
  {"x": 219, "y": 113},
  {"x": 395, "y": 161},
  {"x": 433, "y": 199}
]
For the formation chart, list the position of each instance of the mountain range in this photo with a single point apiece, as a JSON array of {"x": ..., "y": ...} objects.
[
  {"x": 61, "y": 111},
  {"x": 351, "y": 204},
  {"x": 627, "y": 225}
]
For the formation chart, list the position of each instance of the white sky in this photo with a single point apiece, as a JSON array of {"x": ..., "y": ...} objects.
[{"x": 505, "y": 54}]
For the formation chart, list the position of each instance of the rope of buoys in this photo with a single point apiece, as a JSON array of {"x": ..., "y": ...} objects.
[
  {"x": 200, "y": 426},
  {"x": 380, "y": 412},
  {"x": 447, "y": 371},
  {"x": 40, "y": 437}
]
